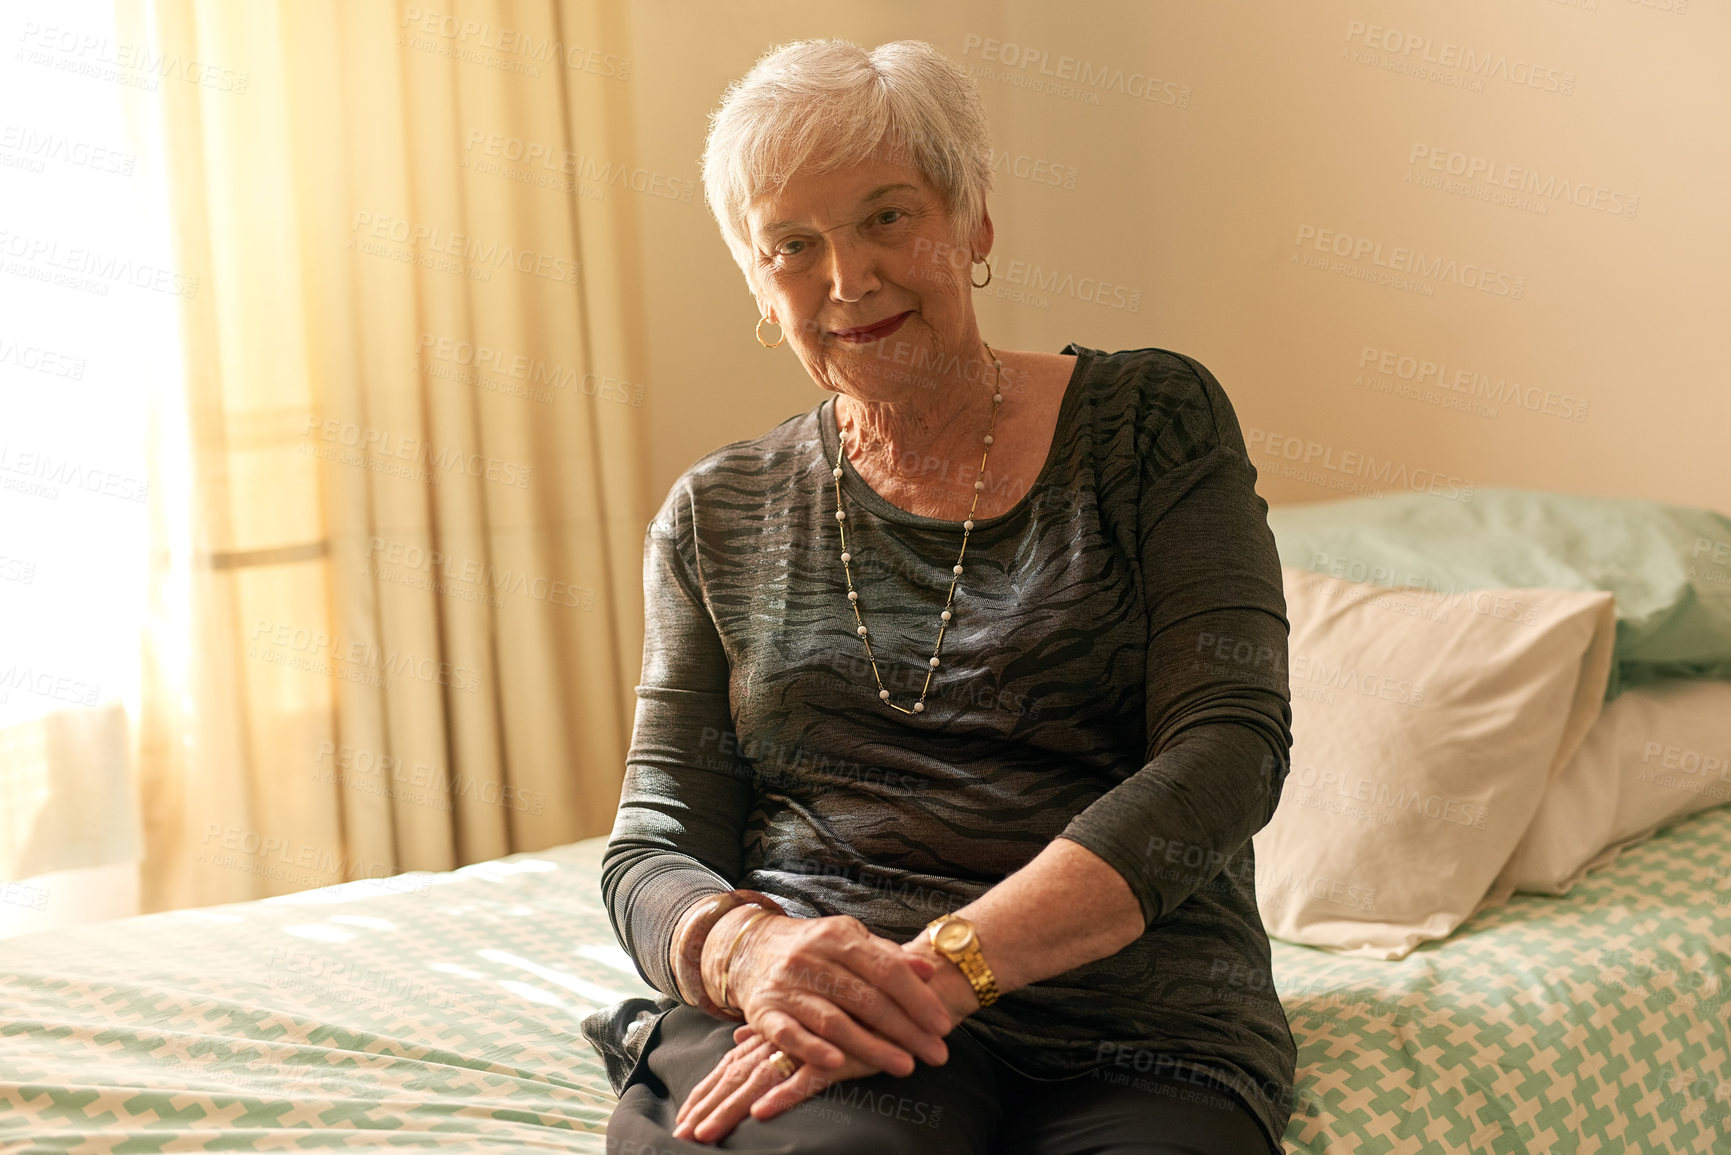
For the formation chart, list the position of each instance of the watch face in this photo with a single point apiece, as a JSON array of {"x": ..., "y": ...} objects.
[{"x": 954, "y": 935}]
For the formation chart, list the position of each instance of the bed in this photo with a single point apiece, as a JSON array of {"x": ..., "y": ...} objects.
[{"x": 441, "y": 1011}]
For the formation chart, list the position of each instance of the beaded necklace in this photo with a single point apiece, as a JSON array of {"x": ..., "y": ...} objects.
[{"x": 967, "y": 528}]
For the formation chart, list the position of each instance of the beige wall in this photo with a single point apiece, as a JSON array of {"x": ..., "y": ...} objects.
[{"x": 1589, "y": 358}]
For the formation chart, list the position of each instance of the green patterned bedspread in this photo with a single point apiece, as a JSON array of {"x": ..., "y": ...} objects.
[
  {"x": 1596, "y": 1022},
  {"x": 442, "y": 1011}
]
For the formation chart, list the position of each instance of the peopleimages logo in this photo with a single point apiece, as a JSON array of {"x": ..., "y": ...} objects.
[
  {"x": 1389, "y": 799},
  {"x": 37, "y": 255},
  {"x": 535, "y": 371},
  {"x": 516, "y": 42},
  {"x": 134, "y": 65},
  {"x": 40, "y": 360},
  {"x": 1036, "y": 169},
  {"x": 46, "y": 146},
  {"x": 564, "y": 162},
  {"x": 47, "y": 684},
  {"x": 377, "y": 447},
  {"x": 433, "y": 241},
  {"x": 1491, "y": 177},
  {"x": 1479, "y": 64},
  {"x": 1379, "y": 475},
  {"x": 287, "y": 644},
  {"x": 47, "y": 473},
  {"x": 1037, "y": 63},
  {"x": 466, "y": 577},
  {"x": 1437, "y": 374},
  {"x": 1398, "y": 259}
]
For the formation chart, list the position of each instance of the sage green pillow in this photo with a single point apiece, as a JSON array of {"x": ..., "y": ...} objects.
[{"x": 1668, "y": 566}]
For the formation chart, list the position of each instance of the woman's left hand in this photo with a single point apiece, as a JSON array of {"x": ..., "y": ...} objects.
[{"x": 744, "y": 1082}]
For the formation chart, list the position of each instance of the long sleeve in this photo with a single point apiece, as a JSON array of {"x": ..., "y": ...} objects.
[
  {"x": 677, "y": 836},
  {"x": 1218, "y": 705}
]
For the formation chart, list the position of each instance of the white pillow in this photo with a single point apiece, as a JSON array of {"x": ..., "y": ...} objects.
[
  {"x": 1658, "y": 753},
  {"x": 1426, "y": 728}
]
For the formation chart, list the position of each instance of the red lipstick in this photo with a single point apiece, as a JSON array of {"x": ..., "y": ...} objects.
[{"x": 868, "y": 333}]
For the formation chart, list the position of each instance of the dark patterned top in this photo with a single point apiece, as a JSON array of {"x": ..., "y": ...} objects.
[{"x": 1115, "y": 674}]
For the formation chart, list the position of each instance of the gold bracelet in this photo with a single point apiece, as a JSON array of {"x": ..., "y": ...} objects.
[
  {"x": 690, "y": 932},
  {"x": 727, "y": 959}
]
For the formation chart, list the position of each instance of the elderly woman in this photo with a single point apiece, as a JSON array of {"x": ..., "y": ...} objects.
[{"x": 938, "y": 806}]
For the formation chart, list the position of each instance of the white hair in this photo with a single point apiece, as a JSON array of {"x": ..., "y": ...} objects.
[{"x": 815, "y": 106}]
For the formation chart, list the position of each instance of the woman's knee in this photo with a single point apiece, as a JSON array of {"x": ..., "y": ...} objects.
[
  {"x": 867, "y": 1116},
  {"x": 951, "y": 1109},
  {"x": 1160, "y": 1115},
  {"x": 883, "y": 1113}
]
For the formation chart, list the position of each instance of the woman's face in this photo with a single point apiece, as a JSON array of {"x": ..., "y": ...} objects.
[{"x": 867, "y": 248}]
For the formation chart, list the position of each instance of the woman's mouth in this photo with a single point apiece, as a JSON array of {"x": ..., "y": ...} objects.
[{"x": 877, "y": 332}]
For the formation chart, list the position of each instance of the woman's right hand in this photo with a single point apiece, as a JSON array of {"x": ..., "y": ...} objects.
[{"x": 826, "y": 990}]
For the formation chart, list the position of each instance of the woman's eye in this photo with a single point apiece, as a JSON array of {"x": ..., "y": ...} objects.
[
  {"x": 889, "y": 216},
  {"x": 790, "y": 248}
]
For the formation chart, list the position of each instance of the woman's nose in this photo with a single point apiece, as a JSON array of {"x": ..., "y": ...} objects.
[{"x": 852, "y": 270}]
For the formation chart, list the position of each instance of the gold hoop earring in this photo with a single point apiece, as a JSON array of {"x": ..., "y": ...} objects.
[
  {"x": 759, "y": 331},
  {"x": 987, "y": 281}
]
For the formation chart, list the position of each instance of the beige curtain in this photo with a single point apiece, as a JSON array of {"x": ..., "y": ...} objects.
[{"x": 398, "y": 505}]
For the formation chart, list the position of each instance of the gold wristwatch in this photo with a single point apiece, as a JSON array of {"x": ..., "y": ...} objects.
[{"x": 953, "y": 937}]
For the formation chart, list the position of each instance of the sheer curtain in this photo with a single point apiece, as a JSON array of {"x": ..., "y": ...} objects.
[
  {"x": 397, "y": 494},
  {"x": 87, "y": 312}
]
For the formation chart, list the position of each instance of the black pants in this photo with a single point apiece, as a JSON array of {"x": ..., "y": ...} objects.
[{"x": 972, "y": 1105}]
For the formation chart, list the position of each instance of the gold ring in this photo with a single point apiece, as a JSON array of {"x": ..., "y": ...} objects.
[{"x": 782, "y": 1062}]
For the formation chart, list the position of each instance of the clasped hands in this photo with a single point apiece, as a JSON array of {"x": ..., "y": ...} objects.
[{"x": 836, "y": 998}]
